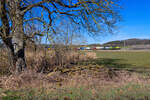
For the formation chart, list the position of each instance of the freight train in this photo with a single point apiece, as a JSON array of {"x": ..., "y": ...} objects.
[{"x": 99, "y": 48}]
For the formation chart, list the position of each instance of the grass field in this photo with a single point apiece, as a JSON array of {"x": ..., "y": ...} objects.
[
  {"x": 127, "y": 92},
  {"x": 134, "y": 60}
]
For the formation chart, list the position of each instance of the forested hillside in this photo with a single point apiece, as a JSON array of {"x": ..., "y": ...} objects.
[{"x": 128, "y": 42}]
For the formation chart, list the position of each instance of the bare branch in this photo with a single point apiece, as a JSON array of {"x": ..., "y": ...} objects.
[
  {"x": 49, "y": 12},
  {"x": 35, "y": 18},
  {"x": 25, "y": 9},
  {"x": 74, "y": 5},
  {"x": 4, "y": 18},
  {"x": 45, "y": 8},
  {"x": 60, "y": 12},
  {"x": 32, "y": 36}
]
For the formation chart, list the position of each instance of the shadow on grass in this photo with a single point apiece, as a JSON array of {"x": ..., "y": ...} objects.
[
  {"x": 116, "y": 64},
  {"x": 110, "y": 63}
]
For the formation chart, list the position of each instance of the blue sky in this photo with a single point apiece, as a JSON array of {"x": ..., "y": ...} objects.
[{"x": 135, "y": 24}]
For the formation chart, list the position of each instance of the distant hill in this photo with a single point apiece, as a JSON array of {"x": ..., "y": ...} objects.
[{"x": 128, "y": 42}]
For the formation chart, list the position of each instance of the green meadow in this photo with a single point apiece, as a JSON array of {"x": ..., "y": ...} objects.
[{"x": 132, "y": 60}]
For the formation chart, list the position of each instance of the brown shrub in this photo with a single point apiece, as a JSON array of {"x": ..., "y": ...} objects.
[
  {"x": 29, "y": 79},
  {"x": 48, "y": 61},
  {"x": 87, "y": 78},
  {"x": 91, "y": 55}
]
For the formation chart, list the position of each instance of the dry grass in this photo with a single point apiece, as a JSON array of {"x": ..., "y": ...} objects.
[
  {"x": 84, "y": 84},
  {"x": 45, "y": 61},
  {"x": 41, "y": 61},
  {"x": 27, "y": 79},
  {"x": 67, "y": 73},
  {"x": 63, "y": 73},
  {"x": 91, "y": 55},
  {"x": 97, "y": 79},
  {"x": 50, "y": 60}
]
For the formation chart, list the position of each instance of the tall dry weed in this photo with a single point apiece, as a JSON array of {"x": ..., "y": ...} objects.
[
  {"x": 85, "y": 78},
  {"x": 47, "y": 61}
]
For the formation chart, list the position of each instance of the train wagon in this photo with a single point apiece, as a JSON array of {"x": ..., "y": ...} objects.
[
  {"x": 116, "y": 48},
  {"x": 99, "y": 48},
  {"x": 87, "y": 48},
  {"x": 82, "y": 48}
]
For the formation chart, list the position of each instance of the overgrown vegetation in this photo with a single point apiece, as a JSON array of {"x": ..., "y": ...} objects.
[
  {"x": 45, "y": 61},
  {"x": 126, "y": 91},
  {"x": 92, "y": 76}
]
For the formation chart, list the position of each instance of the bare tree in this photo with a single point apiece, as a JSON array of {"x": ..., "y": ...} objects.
[
  {"x": 67, "y": 33},
  {"x": 94, "y": 15}
]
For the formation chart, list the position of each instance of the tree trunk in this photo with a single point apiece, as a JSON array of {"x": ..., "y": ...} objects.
[
  {"x": 18, "y": 40},
  {"x": 13, "y": 37},
  {"x": 18, "y": 50},
  {"x": 16, "y": 47}
]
